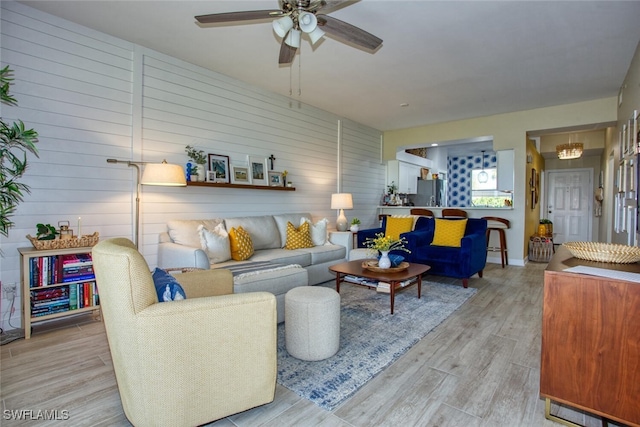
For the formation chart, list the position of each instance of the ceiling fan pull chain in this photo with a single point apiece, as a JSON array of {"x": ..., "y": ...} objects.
[
  {"x": 300, "y": 73},
  {"x": 290, "y": 82}
]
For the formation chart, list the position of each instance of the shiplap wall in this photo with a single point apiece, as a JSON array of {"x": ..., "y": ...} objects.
[{"x": 92, "y": 97}]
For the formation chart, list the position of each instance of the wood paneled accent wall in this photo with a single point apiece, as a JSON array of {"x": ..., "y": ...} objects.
[{"x": 92, "y": 97}]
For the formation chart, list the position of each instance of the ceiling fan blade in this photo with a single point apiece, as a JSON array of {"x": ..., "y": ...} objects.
[
  {"x": 328, "y": 6},
  {"x": 287, "y": 53},
  {"x": 250, "y": 15},
  {"x": 349, "y": 32}
]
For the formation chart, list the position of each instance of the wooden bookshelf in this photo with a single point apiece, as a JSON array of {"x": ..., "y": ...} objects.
[
  {"x": 46, "y": 280},
  {"x": 245, "y": 186}
]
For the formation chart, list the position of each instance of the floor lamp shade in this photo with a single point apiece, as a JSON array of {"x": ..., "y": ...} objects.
[
  {"x": 164, "y": 174},
  {"x": 341, "y": 201}
]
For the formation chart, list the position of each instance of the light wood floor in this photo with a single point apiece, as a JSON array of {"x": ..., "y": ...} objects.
[{"x": 478, "y": 368}]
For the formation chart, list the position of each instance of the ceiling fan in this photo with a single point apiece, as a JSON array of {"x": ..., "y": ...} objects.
[{"x": 297, "y": 16}]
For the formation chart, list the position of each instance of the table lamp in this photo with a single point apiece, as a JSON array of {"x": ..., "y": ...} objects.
[{"x": 341, "y": 201}]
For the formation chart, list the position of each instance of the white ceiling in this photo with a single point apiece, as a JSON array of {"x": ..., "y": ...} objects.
[{"x": 447, "y": 59}]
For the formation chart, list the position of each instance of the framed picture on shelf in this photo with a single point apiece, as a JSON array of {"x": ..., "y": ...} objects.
[
  {"x": 275, "y": 179},
  {"x": 240, "y": 175},
  {"x": 211, "y": 176},
  {"x": 257, "y": 170},
  {"x": 220, "y": 165}
]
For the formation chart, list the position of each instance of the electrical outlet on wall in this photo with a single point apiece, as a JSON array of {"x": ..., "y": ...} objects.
[{"x": 9, "y": 290}]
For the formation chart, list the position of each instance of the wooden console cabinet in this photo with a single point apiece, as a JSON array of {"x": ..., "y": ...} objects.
[{"x": 591, "y": 340}]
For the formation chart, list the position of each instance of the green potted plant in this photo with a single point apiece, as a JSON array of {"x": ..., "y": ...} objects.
[
  {"x": 355, "y": 225},
  {"x": 200, "y": 159},
  {"x": 16, "y": 143},
  {"x": 46, "y": 232}
]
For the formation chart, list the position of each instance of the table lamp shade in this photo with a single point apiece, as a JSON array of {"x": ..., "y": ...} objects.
[{"x": 341, "y": 201}]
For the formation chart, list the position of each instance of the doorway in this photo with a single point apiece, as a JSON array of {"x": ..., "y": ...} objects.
[{"x": 569, "y": 204}]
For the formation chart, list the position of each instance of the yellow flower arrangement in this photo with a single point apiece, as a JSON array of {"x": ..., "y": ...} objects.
[{"x": 386, "y": 243}]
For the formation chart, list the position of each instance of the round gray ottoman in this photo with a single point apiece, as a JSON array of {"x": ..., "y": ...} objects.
[{"x": 312, "y": 322}]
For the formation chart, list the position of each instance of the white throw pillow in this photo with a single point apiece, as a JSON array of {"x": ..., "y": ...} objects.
[
  {"x": 318, "y": 230},
  {"x": 215, "y": 243}
]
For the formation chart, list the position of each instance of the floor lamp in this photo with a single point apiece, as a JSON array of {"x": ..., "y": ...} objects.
[{"x": 163, "y": 174}]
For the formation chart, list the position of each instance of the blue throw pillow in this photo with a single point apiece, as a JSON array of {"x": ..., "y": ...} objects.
[{"x": 167, "y": 286}]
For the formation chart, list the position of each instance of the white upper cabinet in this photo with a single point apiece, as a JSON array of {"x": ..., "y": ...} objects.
[
  {"x": 405, "y": 175},
  {"x": 506, "y": 167}
]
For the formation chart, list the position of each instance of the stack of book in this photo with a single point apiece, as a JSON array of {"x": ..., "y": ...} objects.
[
  {"x": 49, "y": 301},
  {"x": 76, "y": 267},
  {"x": 361, "y": 281},
  {"x": 386, "y": 287}
]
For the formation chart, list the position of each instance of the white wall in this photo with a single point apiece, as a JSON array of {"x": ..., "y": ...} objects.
[{"x": 92, "y": 97}]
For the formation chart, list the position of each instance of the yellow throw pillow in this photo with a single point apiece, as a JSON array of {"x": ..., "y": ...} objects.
[
  {"x": 298, "y": 237},
  {"x": 241, "y": 244},
  {"x": 398, "y": 225},
  {"x": 449, "y": 232}
]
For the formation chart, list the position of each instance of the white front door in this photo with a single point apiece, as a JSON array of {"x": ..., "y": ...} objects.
[{"x": 569, "y": 202}]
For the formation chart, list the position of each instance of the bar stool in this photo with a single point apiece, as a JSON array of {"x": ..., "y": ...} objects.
[
  {"x": 498, "y": 224},
  {"x": 454, "y": 213},
  {"x": 423, "y": 212}
]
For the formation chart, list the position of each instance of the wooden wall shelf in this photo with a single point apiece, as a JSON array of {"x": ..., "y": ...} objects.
[{"x": 225, "y": 185}]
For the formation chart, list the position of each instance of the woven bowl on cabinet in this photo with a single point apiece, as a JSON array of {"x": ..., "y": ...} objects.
[{"x": 604, "y": 252}]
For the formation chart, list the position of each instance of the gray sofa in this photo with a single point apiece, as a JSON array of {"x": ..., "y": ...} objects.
[{"x": 182, "y": 246}]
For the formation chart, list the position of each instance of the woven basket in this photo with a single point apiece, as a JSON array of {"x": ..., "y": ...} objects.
[
  {"x": 373, "y": 266},
  {"x": 88, "y": 240},
  {"x": 604, "y": 252}
]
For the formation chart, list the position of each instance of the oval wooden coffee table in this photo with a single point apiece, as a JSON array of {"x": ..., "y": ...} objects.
[{"x": 354, "y": 268}]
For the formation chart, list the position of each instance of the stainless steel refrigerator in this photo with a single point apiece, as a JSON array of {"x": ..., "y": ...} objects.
[{"x": 431, "y": 192}]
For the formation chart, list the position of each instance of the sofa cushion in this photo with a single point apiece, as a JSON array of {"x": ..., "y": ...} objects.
[
  {"x": 298, "y": 237},
  {"x": 185, "y": 231},
  {"x": 215, "y": 243},
  {"x": 262, "y": 229},
  {"x": 449, "y": 232},
  {"x": 318, "y": 231},
  {"x": 284, "y": 256},
  {"x": 398, "y": 225},
  {"x": 241, "y": 244},
  {"x": 167, "y": 286},
  {"x": 326, "y": 253},
  {"x": 281, "y": 221}
]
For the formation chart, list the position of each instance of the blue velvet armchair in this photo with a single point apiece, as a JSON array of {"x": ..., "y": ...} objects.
[{"x": 462, "y": 263}]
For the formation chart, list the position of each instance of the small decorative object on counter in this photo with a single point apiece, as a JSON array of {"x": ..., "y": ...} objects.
[
  {"x": 284, "y": 177},
  {"x": 355, "y": 225}
]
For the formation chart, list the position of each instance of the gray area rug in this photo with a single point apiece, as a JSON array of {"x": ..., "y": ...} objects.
[{"x": 370, "y": 339}]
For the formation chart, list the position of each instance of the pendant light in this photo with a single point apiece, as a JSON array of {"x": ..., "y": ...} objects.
[
  {"x": 572, "y": 150},
  {"x": 483, "y": 176}
]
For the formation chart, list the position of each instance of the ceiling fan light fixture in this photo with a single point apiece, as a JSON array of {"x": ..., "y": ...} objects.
[
  {"x": 282, "y": 25},
  {"x": 316, "y": 35},
  {"x": 307, "y": 22},
  {"x": 293, "y": 38}
]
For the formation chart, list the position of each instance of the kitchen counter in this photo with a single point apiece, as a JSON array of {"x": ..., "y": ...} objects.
[{"x": 473, "y": 211}]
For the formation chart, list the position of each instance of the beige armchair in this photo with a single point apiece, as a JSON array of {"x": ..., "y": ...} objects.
[{"x": 189, "y": 362}]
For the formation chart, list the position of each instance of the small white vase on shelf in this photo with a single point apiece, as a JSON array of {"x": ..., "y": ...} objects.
[
  {"x": 384, "y": 261},
  {"x": 200, "y": 177},
  {"x": 354, "y": 228}
]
